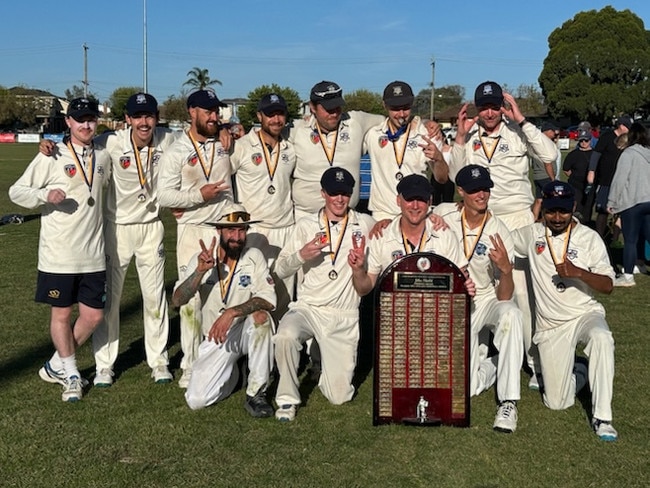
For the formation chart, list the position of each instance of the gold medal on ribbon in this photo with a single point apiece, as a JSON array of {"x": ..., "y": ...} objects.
[{"x": 89, "y": 160}]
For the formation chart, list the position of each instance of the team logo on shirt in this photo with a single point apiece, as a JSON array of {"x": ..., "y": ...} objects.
[
  {"x": 244, "y": 280},
  {"x": 125, "y": 162},
  {"x": 572, "y": 254},
  {"x": 476, "y": 145},
  {"x": 412, "y": 144},
  {"x": 155, "y": 158},
  {"x": 383, "y": 141},
  {"x": 100, "y": 170},
  {"x": 221, "y": 152},
  {"x": 193, "y": 160},
  {"x": 540, "y": 246},
  {"x": 314, "y": 137},
  {"x": 503, "y": 147},
  {"x": 344, "y": 137},
  {"x": 397, "y": 254},
  {"x": 70, "y": 170},
  {"x": 256, "y": 158},
  {"x": 357, "y": 235},
  {"x": 285, "y": 158},
  {"x": 481, "y": 249}
]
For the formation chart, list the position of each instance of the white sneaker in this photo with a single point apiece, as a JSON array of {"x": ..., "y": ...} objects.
[
  {"x": 535, "y": 382},
  {"x": 640, "y": 268},
  {"x": 46, "y": 373},
  {"x": 161, "y": 375},
  {"x": 103, "y": 378},
  {"x": 286, "y": 413},
  {"x": 185, "y": 378},
  {"x": 72, "y": 391},
  {"x": 506, "y": 418},
  {"x": 624, "y": 280},
  {"x": 604, "y": 430}
]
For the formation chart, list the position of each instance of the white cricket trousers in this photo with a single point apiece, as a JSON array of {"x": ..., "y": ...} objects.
[
  {"x": 187, "y": 245},
  {"x": 557, "y": 348},
  {"x": 123, "y": 242},
  {"x": 504, "y": 319},
  {"x": 215, "y": 372},
  {"x": 337, "y": 334}
]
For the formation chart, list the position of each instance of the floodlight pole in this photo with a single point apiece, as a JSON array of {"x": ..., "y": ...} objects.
[
  {"x": 145, "y": 87},
  {"x": 433, "y": 76},
  {"x": 85, "y": 82}
]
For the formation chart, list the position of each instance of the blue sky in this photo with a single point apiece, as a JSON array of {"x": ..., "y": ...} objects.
[{"x": 247, "y": 43}]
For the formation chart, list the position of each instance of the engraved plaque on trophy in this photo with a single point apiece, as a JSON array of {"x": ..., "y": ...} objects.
[{"x": 421, "y": 364}]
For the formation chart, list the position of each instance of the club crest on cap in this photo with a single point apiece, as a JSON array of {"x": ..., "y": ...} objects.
[
  {"x": 140, "y": 99},
  {"x": 488, "y": 90},
  {"x": 476, "y": 173},
  {"x": 274, "y": 98},
  {"x": 397, "y": 91},
  {"x": 339, "y": 176}
]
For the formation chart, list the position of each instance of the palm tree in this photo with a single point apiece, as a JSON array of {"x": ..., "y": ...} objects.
[{"x": 200, "y": 79}]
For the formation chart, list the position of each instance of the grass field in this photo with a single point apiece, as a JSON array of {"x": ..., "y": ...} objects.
[{"x": 138, "y": 434}]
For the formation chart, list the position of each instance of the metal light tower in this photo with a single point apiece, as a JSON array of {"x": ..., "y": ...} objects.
[
  {"x": 433, "y": 88},
  {"x": 145, "y": 87},
  {"x": 85, "y": 82}
]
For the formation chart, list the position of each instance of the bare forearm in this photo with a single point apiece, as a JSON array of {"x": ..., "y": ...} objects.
[
  {"x": 187, "y": 289},
  {"x": 250, "y": 306},
  {"x": 506, "y": 287}
]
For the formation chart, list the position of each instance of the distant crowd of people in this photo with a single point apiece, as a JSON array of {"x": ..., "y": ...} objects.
[{"x": 272, "y": 253}]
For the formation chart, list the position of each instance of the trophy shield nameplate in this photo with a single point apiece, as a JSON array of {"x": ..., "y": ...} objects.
[{"x": 422, "y": 327}]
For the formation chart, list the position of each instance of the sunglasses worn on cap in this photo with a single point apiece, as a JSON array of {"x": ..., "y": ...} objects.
[
  {"x": 237, "y": 217},
  {"x": 77, "y": 105}
]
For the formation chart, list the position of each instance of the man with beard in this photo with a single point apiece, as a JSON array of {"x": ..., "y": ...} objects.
[
  {"x": 327, "y": 307},
  {"x": 262, "y": 163},
  {"x": 568, "y": 261},
  {"x": 71, "y": 262},
  {"x": 194, "y": 180},
  {"x": 489, "y": 249},
  {"x": 236, "y": 295},
  {"x": 398, "y": 147},
  {"x": 330, "y": 137},
  {"x": 501, "y": 139}
]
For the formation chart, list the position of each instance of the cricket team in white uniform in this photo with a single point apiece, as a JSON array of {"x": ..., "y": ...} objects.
[{"x": 308, "y": 173}]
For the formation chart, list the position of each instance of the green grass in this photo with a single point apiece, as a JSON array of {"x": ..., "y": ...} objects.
[{"x": 138, "y": 434}]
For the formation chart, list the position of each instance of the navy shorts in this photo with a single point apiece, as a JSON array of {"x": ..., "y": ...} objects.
[{"x": 64, "y": 290}]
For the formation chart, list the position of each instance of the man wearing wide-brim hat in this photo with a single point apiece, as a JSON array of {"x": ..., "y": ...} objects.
[{"x": 236, "y": 293}]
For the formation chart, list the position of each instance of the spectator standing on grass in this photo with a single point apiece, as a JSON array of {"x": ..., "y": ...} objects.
[
  {"x": 71, "y": 261},
  {"x": 502, "y": 140},
  {"x": 575, "y": 166},
  {"x": 544, "y": 171},
  {"x": 194, "y": 181},
  {"x": 236, "y": 295},
  {"x": 602, "y": 166},
  {"x": 568, "y": 262},
  {"x": 629, "y": 196}
]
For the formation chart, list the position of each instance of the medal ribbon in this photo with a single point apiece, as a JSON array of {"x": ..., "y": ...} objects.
[
  {"x": 335, "y": 252},
  {"x": 225, "y": 282},
  {"x": 323, "y": 142},
  {"x": 489, "y": 145},
  {"x": 469, "y": 253},
  {"x": 407, "y": 244},
  {"x": 399, "y": 156},
  {"x": 271, "y": 167},
  {"x": 142, "y": 176},
  {"x": 206, "y": 171},
  {"x": 566, "y": 244},
  {"x": 88, "y": 179}
]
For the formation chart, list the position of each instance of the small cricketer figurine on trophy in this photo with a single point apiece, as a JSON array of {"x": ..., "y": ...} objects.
[{"x": 421, "y": 414}]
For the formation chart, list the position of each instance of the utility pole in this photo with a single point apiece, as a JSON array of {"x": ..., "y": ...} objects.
[
  {"x": 85, "y": 82},
  {"x": 433, "y": 88},
  {"x": 145, "y": 88}
]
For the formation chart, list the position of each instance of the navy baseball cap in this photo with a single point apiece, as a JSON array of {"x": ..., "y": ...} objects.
[
  {"x": 488, "y": 93},
  {"x": 337, "y": 181},
  {"x": 558, "y": 194},
  {"x": 625, "y": 121},
  {"x": 206, "y": 99},
  {"x": 474, "y": 177},
  {"x": 141, "y": 103},
  {"x": 79, "y": 107},
  {"x": 398, "y": 94},
  {"x": 415, "y": 187},
  {"x": 272, "y": 102},
  {"x": 328, "y": 94}
]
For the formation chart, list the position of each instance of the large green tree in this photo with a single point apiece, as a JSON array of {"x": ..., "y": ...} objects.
[
  {"x": 364, "y": 100},
  {"x": 174, "y": 109},
  {"x": 444, "y": 97},
  {"x": 77, "y": 91},
  {"x": 199, "y": 79},
  {"x": 247, "y": 112},
  {"x": 597, "y": 66},
  {"x": 118, "y": 98}
]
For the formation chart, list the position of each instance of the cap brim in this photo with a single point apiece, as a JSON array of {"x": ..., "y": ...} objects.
[
  {"x": 331, "y": 103},
  {"x": 399, "y": 101},
  {"x": 80, "y": 113},
  {"x": 493, "y": 100},
  {"x": 477, "y": 184},
  {"x": 564, "y": 203},
  {"x": 234, "y": 224},
  {"x": 274, "y": 108}
]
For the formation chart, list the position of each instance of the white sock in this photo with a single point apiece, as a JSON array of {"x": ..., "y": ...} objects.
[
  {"x": 55, "y": 362},
  {"x": 70, "y": 367}
]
